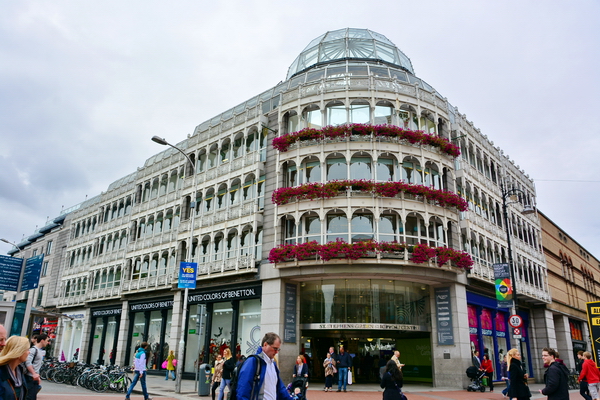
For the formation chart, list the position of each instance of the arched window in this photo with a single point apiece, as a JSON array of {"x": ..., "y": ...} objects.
[
  {"x": 145, "y": 268},
  {"x": 176, "y": 217},
  {"x": 246, "y": 241},
  {"x": 208, "y": 200},
  {"x": 362, "y": 226},
  {"x": 291, "y": 121},
  {"x": 310, "y": 171},
  {"x": 337, "y": 226},
  {"x": 218, "y": 247},
  {"x": 114, "y": 211},
  {"x": 234, "y": 192},
  {"x": 123, "y": 240},
  {"x": 173, "y": 181},
  {"x": 251, "y": 141},
  {"x": 414, "y": 229},
  {"x": 121, "y": 211},
  {"x": 360, "y": 111},
  {"x": 168, "y": 220},
  {"x": 311, "y": 227},
  {"x": 225, "y": 151},
  {"x": 153, "y": 270},
  {"x": 205, "y": 249},
  {"x": 290, "y": 174},
  {"x": 146, "y": 194},
  {"x": 238, "y": 145},
  {"x": 232, "y": 243},
  {"x": 127, "y": 206},
  {"x": 312, "y": 117},
  {"x": 248, "y": 190},
  {"x": 201, "y": 165},
  {"x": 221, "y": 202},
  {"x": 384, "y": 112},
  {"x": 290, "y": 233},
  {"x": 386, "y": 168},
  {"x": 164, "y": 181},
  {"x": 427, "y": 122},
  {"x": 411, "y": 171},
  {"x": 150, "y": 226},
  {"x": 361, "y": 166},
  {"x": 436, "y": 232},
  {"x": 212, "y": 156},
  {"x": 432, "y": 176},
  {"x": 408, "y": 117},
  {"x": 336, "y": 113},
  {"x": 154, "y": 190},
  {"x": 159, "y": 223},
  {"x": 162, "y": 264},
  {"x": 336, "y": 167},
  {"x": 389, "y": 227}
]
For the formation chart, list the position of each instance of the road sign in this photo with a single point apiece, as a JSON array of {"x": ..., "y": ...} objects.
[
  {"x": 11, "y": 268},
  {"x": 516, "y": 331},
  {"x": 187, "y": 275},
  {"x": 515, "y": 321},
  {"x": 593, "y": 312},
  {"x": 33, "y": 270}
]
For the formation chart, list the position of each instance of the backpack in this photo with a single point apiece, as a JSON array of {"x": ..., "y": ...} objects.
[{"x": 232, "y": 395}]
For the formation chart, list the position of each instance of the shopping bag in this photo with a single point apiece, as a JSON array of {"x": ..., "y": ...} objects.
[
  {"x": 349, "y": 377},
  {"x": 484, "y": 381},
  {"x": 164, "y": 364}
]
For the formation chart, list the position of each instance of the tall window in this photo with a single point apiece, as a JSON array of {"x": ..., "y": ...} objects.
[
  {"x": 45, "y": 268},
  {"x": 40, "y": 296},
  {"x": 49, "y": 248}
]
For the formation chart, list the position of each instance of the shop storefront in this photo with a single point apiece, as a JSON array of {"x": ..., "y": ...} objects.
[
  {"x": 371, "y": 318},
  {"x": 230, "y": 315},
  {"x": 489, "y": 331},
  {"x": 72, "y": 335},
  {"x": 150, "y": 321},
  {"x": 577, "y": 337},
  {"x": 104, "y": 335}
]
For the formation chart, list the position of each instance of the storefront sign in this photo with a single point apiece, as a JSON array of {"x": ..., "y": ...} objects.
[
  {"x": 225, "y": 294},
  {"x": 504, "y": 290},
  {"x": 593, "y": 312},
  {"x": 11, "y": 273},
  {"x": 101, "y": 313},
  {"x": 444, "y": 316},
  {"x": 389, "y": 327},
  {"x": 153, "y": 305},
  {"x": 187, "y": 275},
  {"x": 289, "y": 325},
  {"x": 33, "y": 270}
]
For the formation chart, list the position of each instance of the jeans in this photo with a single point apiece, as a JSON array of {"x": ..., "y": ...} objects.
[
  {"x": 172, "y": 373},
  {"x": 142, "y": 378},
  {"x": 343, "y": 377},
  {"x": 583, "y": 390},
  {"x": 224, "y": 382}
]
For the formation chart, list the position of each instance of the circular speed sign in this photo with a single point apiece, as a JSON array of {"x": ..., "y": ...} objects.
[{"x": 515, "y": 321}]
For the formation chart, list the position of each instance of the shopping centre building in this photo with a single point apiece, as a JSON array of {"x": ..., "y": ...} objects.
[{"x": 351, "y": 204}]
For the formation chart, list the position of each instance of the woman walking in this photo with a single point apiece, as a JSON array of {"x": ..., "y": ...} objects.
[
  {"x": 139, "y": 365},
  {"x": 391, "y": 382},
  {"x": 170, "y": 365},
  {"x": 518, "y": 378},
  {"x": 486, "y": 365},
  {"x": 329, "y": 365},
  {"x": 228, "y": 367},
  {"x": 13, "y": 378},
  {"x": 218, "y": 375}
]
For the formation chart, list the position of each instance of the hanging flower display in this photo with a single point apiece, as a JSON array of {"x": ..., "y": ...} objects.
[
  {"x": 312, "y": 191},
  {"x": 283, "y": 142},
  {"x": 419, "y": 254}
]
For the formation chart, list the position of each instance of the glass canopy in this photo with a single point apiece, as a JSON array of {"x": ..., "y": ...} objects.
[{"x": 349, "y": 43}]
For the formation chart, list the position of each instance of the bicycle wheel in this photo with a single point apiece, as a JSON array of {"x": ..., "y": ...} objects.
[
  {"x": 123, "y": 384},
  {"x": 101, "y": 383}
]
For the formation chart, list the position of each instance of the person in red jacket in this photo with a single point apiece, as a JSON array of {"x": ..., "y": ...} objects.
[
  {"x": 486, "y": 365},
  {"x": 589, "y": 372}
]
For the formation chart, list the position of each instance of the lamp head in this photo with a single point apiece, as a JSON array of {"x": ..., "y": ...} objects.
[
  {"x": 528, "y": 209},
  {"x": 159, "y": 140}
]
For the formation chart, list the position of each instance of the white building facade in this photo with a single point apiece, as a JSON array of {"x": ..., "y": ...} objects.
[{"x": 340, "y": 207}]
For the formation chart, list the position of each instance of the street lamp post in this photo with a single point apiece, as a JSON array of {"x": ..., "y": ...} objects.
[
  {"x": 527, "y": 209},
  {"x": 184, "y": 312}
]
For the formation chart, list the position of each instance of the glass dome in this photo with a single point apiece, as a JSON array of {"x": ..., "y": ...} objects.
[{"x": 349, "y": 43}]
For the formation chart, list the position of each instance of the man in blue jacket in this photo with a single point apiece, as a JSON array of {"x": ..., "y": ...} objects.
[
  {"x": 269, "y": 386},
  {"x": 343, "y": 363}
]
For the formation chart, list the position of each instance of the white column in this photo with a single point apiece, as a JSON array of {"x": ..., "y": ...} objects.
[{"x": 564, "y": 343}]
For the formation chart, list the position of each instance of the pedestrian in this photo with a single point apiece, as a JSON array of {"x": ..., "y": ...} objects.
[
  {"x": 505, "y": 376},
  {"x": 589, "y": 373},
  {"x": 518, "y": 377},
  {"x": 476, "y": 361},
  {"x": 486, "y": 365},
  {"x": 330, "y": 370},
  {"x": 34, "y": 362},
  {"x": 335, "y": 358},
  {"x": 556, "y": 376},
  {"x": 228, "y": 368},
  {"x": 14, "y": 381},
  {"x": 270, "y": 386},
  {"x": 217, "y": 375},
  {"x": 583, "y": 385},
  {"x": 3, "y": 337},
  {"x": 170, "y": 365},
  {"x": 392, "y": 381},
  {"x": 396, "y": 358},
  {"x": 139, "y": 365},
  {"x": 344, "y": 362},
  {"x": 301, "y": 369}
]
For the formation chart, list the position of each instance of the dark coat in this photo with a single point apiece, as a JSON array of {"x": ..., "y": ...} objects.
[
  {"x": 7, "y": 389},
  {"x": 518, "y": 383},
  {"x": 391, "y": 387},
  {"x": 303, "y": 372},
  {"x": 228, "y": 368},
  {"x": 556, "y": 379},
  {"x": 344, "y": 360}
]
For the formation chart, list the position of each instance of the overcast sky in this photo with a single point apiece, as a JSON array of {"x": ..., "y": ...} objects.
[{"x": 84, "y": 85}]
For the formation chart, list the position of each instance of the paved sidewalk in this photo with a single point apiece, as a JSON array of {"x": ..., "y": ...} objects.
[{"x": 158, "y": 386}]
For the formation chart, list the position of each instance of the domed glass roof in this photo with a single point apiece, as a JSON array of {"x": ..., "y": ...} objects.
[{"x": 349, "y": 43}]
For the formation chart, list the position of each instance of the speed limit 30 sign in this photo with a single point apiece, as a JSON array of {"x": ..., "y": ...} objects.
[{"x": 515, "y": 321}]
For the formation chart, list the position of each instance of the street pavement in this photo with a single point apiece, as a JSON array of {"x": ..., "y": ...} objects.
[{"x": 161, "y": 389}]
